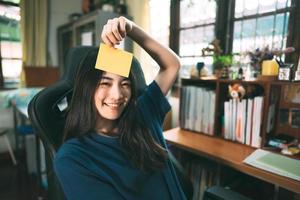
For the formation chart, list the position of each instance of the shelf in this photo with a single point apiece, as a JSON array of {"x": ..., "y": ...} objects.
[
  {"x": 288, "y": 129},
  {"x": 289, "y": 105},
  {"x": 225, "y": 152}
]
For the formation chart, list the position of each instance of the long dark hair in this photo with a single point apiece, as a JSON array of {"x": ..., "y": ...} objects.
[{"x": 135, "y": 138}]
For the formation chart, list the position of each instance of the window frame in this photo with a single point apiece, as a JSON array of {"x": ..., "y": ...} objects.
[
  {"x": 224, "y": 26},
  {"x": 2, "y": 79}
]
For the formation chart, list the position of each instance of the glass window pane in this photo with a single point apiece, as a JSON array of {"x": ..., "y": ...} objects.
[
  {"x": 264, "y": 31},
  {"x": 11, "y": 49},
  {"x": 280, "y": 31},
  {"x": 186, "y": 42},
  {"x": 10, "y": 12},
  {"x": 266, "y": 6},
  {"x": 187, "y": 63},
  {"x": 239, "y": 8},
  {"x": 265, "y": 26},
  {"x": 251, "y": 7},
  {"x": 237, "y": 30},
  {"x": 192, "y": 41},
  {"x": 193, "y": 12},
  {"x": 11, "y": 68},
  {"x": 248, "y": 28},
  {"x": 236, "y": 47},
  {"x": 283, "y": 4}
]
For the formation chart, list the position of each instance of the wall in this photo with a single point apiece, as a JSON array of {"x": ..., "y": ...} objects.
[
  {"x": 58, "y": 14},
  {"x": 61, "y": 9}
]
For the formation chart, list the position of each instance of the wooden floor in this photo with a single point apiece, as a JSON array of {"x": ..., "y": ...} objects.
[{"x": 15, "y": 182}]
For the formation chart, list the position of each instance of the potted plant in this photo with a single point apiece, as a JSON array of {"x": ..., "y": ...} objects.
[
  {"x": 221, "y": 65},
  {"x": 221, "y": 62}
]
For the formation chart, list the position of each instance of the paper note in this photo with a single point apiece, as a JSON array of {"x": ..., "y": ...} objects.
[
  {"x": 275, "y": 163},
  {"x": 114, "y": 60}
]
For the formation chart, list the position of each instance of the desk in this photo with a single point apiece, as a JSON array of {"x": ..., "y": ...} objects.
[
  {"x": 227, "y": 153},
  {"x": 19, "y": 99},
  {"x": 21, "y": 96}
]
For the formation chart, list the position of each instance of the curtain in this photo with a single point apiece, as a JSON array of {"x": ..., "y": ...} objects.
[
  {"x": 34, "y": 30},
  {"x": 139, "y": 10}
]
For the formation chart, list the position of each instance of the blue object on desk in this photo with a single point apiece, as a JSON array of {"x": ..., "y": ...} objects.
[
  {"x": 20, "y": 96},
  {"x": 25, "y": 130}
]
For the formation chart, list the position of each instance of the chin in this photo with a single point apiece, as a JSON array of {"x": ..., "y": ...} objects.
[{"x": 110, "y": 116}]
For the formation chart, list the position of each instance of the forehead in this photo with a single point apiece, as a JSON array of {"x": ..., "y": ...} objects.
[{"x": 111, "y": 76}]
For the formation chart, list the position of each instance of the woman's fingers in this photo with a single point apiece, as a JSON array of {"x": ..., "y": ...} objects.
[
  {"x": 114, "y": 31},
  {"x": 122, "y": 26},
  {"x": 104, "y": 36},
  {"x": 109, "y": 32}
]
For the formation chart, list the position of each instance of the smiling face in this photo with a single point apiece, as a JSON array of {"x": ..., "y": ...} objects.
[{"x": 112, "y": 95}]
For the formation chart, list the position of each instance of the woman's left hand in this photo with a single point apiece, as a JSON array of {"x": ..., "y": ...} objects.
[{"x": 115, "y": 30}]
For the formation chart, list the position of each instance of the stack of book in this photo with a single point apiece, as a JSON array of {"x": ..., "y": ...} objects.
[
  {"x": 197, "y": 110},
  {"x": 282, "y": 141},
  {"x": 242, "y": 120}
]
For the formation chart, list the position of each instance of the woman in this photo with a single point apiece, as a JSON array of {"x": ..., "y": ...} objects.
[{"x": 114, "y": 147}]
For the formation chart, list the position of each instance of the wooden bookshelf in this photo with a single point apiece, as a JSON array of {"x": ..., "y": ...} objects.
[
  {"x": 273, "y": 93},
  {"x": 226, "y": 153}
]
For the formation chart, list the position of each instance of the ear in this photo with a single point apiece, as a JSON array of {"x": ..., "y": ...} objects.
[{"x": 229, "y": 88}]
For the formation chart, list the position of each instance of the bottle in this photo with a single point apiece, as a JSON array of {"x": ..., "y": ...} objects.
[
  {"x": 248, "y": 72},
  {"x": 297, "y": 72},
  {"x": 240, "y": 73}
]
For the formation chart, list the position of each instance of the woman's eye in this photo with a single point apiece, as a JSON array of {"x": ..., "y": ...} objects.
[
  {"x": 126, "y": 84},
  {"x": 104, "y": 84}
]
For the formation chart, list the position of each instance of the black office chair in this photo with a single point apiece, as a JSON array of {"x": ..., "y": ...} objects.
[
  {"x": 48, "y": 119},
  {"x": 221, "y": 193}
]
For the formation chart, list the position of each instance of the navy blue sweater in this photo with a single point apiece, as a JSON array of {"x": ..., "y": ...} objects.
[{"x": 97, "y": 168}]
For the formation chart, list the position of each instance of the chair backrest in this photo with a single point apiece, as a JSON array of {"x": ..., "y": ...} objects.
[{"x": 48, "y": 118}]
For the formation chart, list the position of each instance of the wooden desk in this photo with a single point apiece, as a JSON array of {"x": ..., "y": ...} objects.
[{"x": 227, "y": 153}]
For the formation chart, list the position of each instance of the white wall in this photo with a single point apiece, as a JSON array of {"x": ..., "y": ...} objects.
[{"x": 58, "y": 14}]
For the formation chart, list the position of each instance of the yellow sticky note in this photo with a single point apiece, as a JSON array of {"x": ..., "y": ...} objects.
[{"x": 114, "y": 60}]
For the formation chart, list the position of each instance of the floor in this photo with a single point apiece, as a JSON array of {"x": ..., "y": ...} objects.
[{"x": 15, "y": 182}]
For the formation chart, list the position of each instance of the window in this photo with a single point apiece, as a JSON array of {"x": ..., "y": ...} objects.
[
  {"x": 10, "y": 44},
  {"x": 240, "y": 25},
  {"x": 196, "y": 31},
  {"x": 260, "y": 23}
]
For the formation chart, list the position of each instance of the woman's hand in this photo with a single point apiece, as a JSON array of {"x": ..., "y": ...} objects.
[{"x": 115, "y": 30}]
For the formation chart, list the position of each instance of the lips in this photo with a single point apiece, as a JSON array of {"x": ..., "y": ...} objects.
[{"x": 113, "y": 106}]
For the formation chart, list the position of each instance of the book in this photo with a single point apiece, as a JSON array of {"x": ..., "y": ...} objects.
[
  {"x": 295, "y": 121},
  {"x": 275, "y": 163},
  {"x": 282, "y": 141}
]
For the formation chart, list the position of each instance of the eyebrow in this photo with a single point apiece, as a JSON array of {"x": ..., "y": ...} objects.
[{"x": 110, "y": 79}]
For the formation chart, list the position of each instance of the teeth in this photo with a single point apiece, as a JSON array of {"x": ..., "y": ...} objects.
[{"x": 114, "y": 105}]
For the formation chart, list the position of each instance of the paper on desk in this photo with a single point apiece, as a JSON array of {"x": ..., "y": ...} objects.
[
  {"x": 275, "y": 163},
  {"x": 114, "y": 60}
]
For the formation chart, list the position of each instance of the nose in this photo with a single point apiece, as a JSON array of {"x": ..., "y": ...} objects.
[{"x": 116, "y": 92}]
